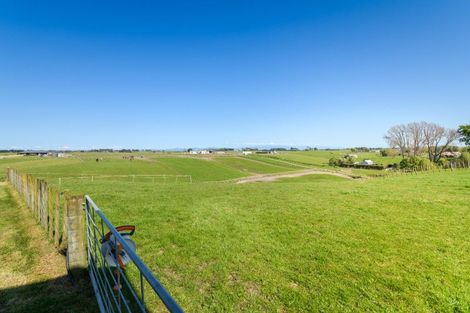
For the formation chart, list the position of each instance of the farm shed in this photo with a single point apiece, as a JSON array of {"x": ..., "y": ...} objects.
[
  {"x": 34, "y": 153},
  {"x": 367, "y": 162}
]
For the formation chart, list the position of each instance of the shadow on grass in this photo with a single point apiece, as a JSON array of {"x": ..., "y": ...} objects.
[{"x": 55, "y": 295}]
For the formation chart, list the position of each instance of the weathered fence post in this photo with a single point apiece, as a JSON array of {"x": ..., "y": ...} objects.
[
  {"x": 43, "y": 211},
  {"x": 50, "y": 214},
  {"x": 57, "y": 219},
  {"x": 75, "y": 225}
]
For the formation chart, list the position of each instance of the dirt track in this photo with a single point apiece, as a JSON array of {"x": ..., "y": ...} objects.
[{"x": 272, "y": 177}]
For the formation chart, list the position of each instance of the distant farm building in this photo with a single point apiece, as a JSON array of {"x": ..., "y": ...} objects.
[
  {"x": 247, "y": 152},
  {"x": 41, "y": 153},
  {"x": 44, "y": 153},
  {"x": 450, "y": 154},
  {"x": 58, "y": 154},
  {"x": 367, "y": 162},
  {"x": 199, "y": 152}
]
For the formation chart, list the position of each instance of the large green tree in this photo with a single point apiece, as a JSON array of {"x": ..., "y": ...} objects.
[{"x": 464, "y": 131}]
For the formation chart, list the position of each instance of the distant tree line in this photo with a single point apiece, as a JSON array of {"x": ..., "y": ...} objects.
[{"x": 413, "y": 139}]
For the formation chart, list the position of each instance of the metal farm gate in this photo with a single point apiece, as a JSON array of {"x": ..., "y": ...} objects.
[{"x": 121, "y": 281}]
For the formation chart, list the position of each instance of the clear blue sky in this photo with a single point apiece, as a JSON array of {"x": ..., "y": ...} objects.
[{"x": 169, "y": 74}]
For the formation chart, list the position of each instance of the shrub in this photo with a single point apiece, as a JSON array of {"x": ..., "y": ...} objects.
[
  {"x": 363, "y": 166},
  {"x": 388, "y": 152},
  {"x": 425, "y": 164},
  {"x": 443, "y": 162},
  {"x": 415, "y": 163},
  {"x": 405, "y": 163},
  {"x": 465, "y": 157},
  {"x": 334, "y": 162},
  {"x": 349, "y": 159}
]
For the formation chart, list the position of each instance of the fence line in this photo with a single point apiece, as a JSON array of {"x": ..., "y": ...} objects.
[
  {"x": 133, "y": 177},
  {"x": 450, "y": 166},
  {"x": 37, "y": 195},
  {"x": 82, "y": 236},
  {"x": 166, "y": 178},
  {"x": 59, "y": 214}
]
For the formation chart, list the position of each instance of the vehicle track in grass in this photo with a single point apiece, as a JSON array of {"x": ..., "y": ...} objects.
[{"x": 273, "y": 177}]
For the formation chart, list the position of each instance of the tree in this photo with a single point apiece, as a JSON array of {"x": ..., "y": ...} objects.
[
  {"x": 464, "y": 132},
  {"x": 397, "y": 137},
  {"x": 437, "y": 139},
  {"x": 415, "y": 134},
  {"x": 412, "y": 138}
]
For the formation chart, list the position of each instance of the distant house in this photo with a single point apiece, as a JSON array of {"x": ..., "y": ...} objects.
[
  {"x": 247, "y": 152},
  {"x": 199, "y": 152},
  {"x": 450, "y": 154},
  {"x": 367, "y": 162}
]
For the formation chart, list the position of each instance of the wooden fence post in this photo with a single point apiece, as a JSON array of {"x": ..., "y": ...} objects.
[
  {"x": 50, "y": 214},
  {"x": 75, "y": 225},
  {"x": 43, "y": 203},
  {"x": 57, "y": 229}
]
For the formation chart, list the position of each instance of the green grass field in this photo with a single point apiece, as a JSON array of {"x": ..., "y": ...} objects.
[
  {"x": 320, "y": 158},
  {"x": 305, "y": 244}
]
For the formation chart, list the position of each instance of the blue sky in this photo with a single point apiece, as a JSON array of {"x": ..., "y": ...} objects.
[{"x": 228, "y": 73}]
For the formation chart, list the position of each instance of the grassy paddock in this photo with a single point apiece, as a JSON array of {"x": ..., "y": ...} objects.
[
  {"x": 311, "y": 243},
  {"x": 321, "y": 158}
]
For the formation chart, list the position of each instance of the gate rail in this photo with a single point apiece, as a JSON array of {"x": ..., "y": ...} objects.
[{"x": 113, "y": 289}]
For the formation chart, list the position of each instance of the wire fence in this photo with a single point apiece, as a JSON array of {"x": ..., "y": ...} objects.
[
  {"x": 45, "y": 202},
  {"x": 432, "y": 168},
  {"x": 120, "y": 279},
  {"x": 162, "y": 179}
]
